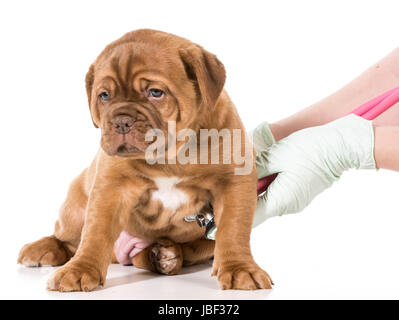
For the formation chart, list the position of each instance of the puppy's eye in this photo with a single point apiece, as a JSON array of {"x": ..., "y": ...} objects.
[
  {"x": 155, "y": 93},
  {"x": 104, "y": 96}
]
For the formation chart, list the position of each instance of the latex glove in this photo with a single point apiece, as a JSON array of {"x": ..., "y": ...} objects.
[
  {"x": 308, "y": 162},
  {"x": 261, "y": 137}
]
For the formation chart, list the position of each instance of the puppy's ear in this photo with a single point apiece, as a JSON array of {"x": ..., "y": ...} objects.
[
  {"x": 89, "y": 87},
  {"x": 206, "y": 70}
]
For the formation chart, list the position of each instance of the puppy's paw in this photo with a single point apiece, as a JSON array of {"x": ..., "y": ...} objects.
[
  {"x": 242, "y": 276},
  {"x": 166, "y": 256},
  {"x": 75, "y": 276},
  {"x": 47, "y": 251}
]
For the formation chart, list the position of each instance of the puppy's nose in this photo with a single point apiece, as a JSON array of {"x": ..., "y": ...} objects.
[{"x": 123, "y": 124}]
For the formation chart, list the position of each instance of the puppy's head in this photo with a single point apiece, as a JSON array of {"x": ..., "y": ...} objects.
[{"x": 145, "y": 79}]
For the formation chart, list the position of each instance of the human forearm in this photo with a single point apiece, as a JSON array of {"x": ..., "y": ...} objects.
[
  {"x": 379, "y": 78},
  {"x": 386, "y": 147}
]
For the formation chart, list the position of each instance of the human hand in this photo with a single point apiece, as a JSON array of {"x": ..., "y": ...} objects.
[{"x": 308, "y": 162}]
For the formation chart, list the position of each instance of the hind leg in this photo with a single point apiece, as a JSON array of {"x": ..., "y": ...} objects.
[
  {"x": 167, "y": 257},
  {"x": 48, "y": 251},
  {"x": 59, "y": 248},
  {"x": 198, "y": 251},
  {"x": 163, "y": 256}
]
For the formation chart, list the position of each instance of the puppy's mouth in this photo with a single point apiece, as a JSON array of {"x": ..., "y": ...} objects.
[{"x": 126, "y": 150}]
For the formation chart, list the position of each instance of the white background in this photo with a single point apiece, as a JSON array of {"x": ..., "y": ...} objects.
[{"x": 280, "y": 56}]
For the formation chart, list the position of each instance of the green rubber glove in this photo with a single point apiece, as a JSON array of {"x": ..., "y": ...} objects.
[{"x": 308, "y": 162}]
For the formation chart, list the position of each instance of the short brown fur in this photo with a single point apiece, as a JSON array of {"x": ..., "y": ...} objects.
[{"x": 115, "y": 192}]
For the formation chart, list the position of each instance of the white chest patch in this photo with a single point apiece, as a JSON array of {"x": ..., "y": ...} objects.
[{"x": 170, "y": 196}]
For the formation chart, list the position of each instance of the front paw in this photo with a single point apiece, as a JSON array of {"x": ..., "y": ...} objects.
[
  {"x": 75, "y": 276},
  {"x": 242, "y": 276}
]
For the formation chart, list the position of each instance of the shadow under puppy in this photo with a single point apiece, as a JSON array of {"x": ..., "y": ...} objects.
[{"x": 140, "y": 82}]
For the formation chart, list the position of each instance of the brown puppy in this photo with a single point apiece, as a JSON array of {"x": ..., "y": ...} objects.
[{"x": 140, "y": 82}]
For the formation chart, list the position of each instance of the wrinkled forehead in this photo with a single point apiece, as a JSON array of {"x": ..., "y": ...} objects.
[{"x": 126, "y": 61}]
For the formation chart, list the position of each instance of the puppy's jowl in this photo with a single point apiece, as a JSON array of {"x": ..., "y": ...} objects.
[{"x": 138, "y": 83}]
